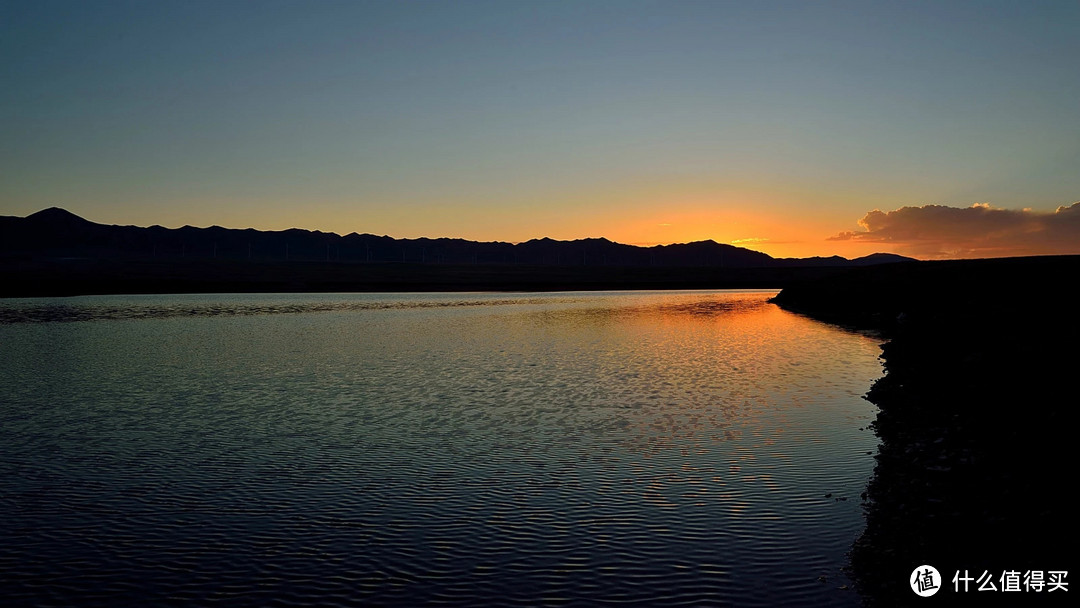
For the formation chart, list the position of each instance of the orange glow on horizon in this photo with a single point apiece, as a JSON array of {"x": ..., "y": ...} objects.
[
  {"x": 747, "y": 219},
  {"x": 776, "y": 236}
]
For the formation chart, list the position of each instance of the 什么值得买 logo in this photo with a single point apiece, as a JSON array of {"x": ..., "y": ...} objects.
[{"x": 925, "y": 581}]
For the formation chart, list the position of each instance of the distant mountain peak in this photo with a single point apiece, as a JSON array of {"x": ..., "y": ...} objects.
[
  {"x": 53, "y": 214},
  {"x": 880, "y": 258},
  {"x": 55, "y": 219}
]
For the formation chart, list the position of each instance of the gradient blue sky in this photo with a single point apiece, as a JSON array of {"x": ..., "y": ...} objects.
[{"x": 775, "y": 125}]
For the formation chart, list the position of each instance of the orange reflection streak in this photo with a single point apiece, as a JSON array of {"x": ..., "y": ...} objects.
[{"x": 715, "y": 377}]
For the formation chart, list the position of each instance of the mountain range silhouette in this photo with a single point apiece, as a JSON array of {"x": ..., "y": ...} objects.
[{"x": 58, "y": 233}]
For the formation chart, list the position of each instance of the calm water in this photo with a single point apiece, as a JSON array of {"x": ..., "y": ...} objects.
[{"x": 472, "y": 449}]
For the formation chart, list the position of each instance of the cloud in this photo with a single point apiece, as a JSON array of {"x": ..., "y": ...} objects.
[{"x": 937, "y": 231}]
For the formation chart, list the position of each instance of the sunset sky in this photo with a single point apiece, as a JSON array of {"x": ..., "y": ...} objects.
[{"x": 934, "y": 129}]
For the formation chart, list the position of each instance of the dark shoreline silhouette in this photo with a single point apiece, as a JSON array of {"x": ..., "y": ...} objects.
[
  {"x": 56, "y": 253},
  {"x": 975, "y": 414}
]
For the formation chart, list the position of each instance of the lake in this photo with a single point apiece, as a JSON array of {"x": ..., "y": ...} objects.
[{"x": 641, "y": 448}]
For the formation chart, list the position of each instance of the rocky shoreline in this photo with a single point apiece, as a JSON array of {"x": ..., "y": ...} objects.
[{"x": 975, "y": 413}]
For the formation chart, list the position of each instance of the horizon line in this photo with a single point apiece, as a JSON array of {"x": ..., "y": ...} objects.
[{"x": 514, "y": 243}]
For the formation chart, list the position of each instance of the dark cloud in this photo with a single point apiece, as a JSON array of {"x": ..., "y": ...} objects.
[{"x": 977, "y": 231}]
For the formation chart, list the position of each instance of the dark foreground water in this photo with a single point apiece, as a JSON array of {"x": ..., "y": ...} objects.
[{"x": 651, "y": 449}]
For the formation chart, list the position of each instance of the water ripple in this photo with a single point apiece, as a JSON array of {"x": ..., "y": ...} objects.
[{"x": 580, "y": 449}]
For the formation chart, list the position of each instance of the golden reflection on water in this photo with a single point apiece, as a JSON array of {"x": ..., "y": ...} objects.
[{"x": 708, "y": 384}]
